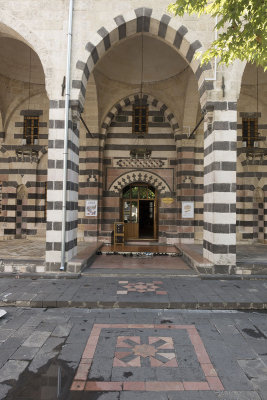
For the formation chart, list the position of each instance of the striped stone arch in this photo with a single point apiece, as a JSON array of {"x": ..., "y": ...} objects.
[
  {"x": 140, "y": 176},
  {"x": 145, "y": 20},
  {"x": 146, "y": 99}
]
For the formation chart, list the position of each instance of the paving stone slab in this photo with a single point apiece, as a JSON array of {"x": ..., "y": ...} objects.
[
  {"x": 40, "y": 360},
  {"x": 251, "y": 395},
  {"x": 25, "y": 353},
  {"x": 192, "y": 395},
  {"x": 143, "y": 396},
  {"x": 107, "y": 396},
  {"x": 37, "y": 339},
  {"x": 5, "y": 354},
  {"x": 5, "y": 333},
  {"x": 62, "y": 330},
  {"x": 4, "y": 389},
  {"x": 256, "y": 372},
  {"x": 16, "y": 322},
  {"x": 12, "y": 370}
]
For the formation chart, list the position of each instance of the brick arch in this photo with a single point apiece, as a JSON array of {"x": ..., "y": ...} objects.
[
  {"x": 146, "y": 99},
  {"x": 136, "y": 21},
  {"x": 139, "y": 176}
]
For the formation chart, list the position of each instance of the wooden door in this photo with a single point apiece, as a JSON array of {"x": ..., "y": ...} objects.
[
  {"x": 155, "y": 218},
  {"x": 132, "y": 195},
  {"x": 130, "y": 218}
]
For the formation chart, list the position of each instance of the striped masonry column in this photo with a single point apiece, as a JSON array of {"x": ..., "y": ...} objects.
[
  {"x": 265, "y": 214},
  {"x": 219, "y": 236},
  {"x": 55, "y": 185}
]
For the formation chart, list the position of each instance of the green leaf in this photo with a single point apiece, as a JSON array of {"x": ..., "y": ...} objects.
[{"x": 242, "y": 28}]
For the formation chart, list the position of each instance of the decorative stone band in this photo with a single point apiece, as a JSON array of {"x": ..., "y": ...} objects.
[
  {"x": 140, "y": 163},
  {"x": 135, "y": 21},
  {"x": 140, "y": 176}
]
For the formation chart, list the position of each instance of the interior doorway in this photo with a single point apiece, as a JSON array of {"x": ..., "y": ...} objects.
[{"x": 139, "y": 212}]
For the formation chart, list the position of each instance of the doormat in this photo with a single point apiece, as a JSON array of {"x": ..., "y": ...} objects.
[
  {"x": 143, "y": 255},
  {"x": 138, "y": 254}
]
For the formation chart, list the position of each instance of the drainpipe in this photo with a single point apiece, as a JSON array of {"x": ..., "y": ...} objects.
[
  {"x": 215, "y": 61},
  {"x": 65, "y": 153}
]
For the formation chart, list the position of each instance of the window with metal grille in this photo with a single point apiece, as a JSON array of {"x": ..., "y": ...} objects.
[
  {"x": 31, "y": 129},
  {"x": 140, "y": 119},
  {"x": 250, "y": 131}
]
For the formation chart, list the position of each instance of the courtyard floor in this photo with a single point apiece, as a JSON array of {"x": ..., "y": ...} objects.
[
  {"x": 133, "y": 354},
  {"x": 133, "y": 336},
  {"x": 33, "y": 250}
]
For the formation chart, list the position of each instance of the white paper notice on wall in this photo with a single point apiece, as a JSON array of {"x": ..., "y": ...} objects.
[
  {"x": 187, "y": 209},
  {"x": 91, "y": 208}
]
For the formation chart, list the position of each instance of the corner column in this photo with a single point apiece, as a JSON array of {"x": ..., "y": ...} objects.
[
  {"x": 55, "y": 187},
  {"x": 265, "y": 214},
  {"x": 219, "y": 236}
]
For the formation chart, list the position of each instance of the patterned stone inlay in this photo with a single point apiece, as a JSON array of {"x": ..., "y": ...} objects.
[
  {"x": 157, "y": 350},
  {"x": 141, "y": 287},
  {"x": 140, "y": 163},
  {"x": 139, "y": 175}
]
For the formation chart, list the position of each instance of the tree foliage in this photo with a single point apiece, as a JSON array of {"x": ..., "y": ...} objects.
[{"x": 242, "y": 28}]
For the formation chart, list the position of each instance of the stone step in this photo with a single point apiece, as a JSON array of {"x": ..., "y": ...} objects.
[{"x": 84, "y": 258}]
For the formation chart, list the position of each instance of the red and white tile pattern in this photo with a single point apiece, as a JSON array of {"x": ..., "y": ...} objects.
[
  {"x": 134, "y": 351},
  {"x": 141, "y": 287}
]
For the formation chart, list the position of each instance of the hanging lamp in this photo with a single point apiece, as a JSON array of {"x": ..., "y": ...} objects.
[
  {"x": 141, "y": 151},
  {"x": 256, "y": 152},
  {"x": 27, "y": 151}
]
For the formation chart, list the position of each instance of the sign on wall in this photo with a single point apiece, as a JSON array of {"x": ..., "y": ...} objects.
[
  {"x": 167, "y": 200},
  {"x": 187, "y": 209},
  {"x": 91, "y": 208}
]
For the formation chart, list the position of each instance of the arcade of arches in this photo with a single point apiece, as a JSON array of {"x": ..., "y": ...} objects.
[{"x": 135, "y": 151}]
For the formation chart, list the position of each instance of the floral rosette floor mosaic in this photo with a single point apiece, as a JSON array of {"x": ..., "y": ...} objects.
[{"x": 154, "y": 287}]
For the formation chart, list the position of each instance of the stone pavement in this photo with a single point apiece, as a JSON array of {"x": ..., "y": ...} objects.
[
  {"x": 129, "y": 290},
  {"x": 132, "y": 354}
]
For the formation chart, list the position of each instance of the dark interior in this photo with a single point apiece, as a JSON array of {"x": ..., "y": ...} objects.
[{"x": 146, "y": 219}]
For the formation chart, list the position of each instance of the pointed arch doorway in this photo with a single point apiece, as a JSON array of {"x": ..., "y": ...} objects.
[{"x": 139, "y": 212}]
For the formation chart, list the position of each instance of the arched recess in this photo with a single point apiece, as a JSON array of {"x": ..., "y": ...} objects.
[
  {"x": 140, "y": 20},
  {"x": 251, "y": 169},
  {"x": 23, "y": 97},
  {"x": 90, "y": 112},
  {"x": 146, "y": 99},
  {"x": 22, "y": 33},
  {"x": 140, "y": 176},
  {"x": 18, "y": 103},
  {"x": 1, "y": 124},
  {"x": 191, "y": 106}
]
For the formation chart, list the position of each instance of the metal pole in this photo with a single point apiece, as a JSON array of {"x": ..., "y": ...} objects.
[{"x": 65, "y": 153}]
